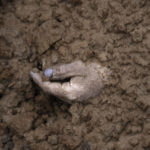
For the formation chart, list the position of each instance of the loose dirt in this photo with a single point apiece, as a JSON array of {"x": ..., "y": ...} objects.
[{"x": 36, "y": 34}]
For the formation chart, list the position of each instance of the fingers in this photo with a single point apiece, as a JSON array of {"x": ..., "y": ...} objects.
[
  {"x": 52, "y": 88},
  {"x": 36, "y": 78},
  {"x": 62, "y": 91},
  {"x": 46, "y": 86},
  {"x": 60, "y": 72}
]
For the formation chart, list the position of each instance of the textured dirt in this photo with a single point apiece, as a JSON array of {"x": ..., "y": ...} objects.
[{"x": 36, "y": 33}]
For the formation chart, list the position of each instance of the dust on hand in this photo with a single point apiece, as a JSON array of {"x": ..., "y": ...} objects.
[{"x": 86, "y": 80}]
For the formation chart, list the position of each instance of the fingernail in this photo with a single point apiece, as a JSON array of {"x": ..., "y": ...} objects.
[{"x": 48, "y": 72}]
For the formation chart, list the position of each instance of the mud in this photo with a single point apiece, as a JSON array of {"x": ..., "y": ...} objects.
[{"x": 37, "y": 33}]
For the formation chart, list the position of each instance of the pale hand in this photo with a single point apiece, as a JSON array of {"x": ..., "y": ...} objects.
[{"x": 86, "y": 81}]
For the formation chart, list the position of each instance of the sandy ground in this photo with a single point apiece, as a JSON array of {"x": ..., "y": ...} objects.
[{"x": 36, "y": 33}]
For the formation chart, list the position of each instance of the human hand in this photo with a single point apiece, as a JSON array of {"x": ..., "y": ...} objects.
[{"x": 86, "y": 80}]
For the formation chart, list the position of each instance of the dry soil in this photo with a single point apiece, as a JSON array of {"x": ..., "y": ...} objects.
[{"x": 39, "y": 33}]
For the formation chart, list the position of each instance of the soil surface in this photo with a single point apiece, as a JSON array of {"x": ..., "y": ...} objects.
[{"x": 35, "y": 33}]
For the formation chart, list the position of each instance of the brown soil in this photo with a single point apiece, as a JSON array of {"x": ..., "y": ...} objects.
[{"x": 35, "y": 33}]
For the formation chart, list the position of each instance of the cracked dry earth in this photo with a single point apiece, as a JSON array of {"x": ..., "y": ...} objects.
[{"x": 36, "y": 33}]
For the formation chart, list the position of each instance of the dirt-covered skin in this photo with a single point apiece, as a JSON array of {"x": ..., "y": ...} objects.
[
  {"x": 36, "y": 33},
  {"x": 74, "y": 82}
]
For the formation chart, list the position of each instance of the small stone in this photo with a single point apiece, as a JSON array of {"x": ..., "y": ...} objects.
[{"x": 48, "y": 72}]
